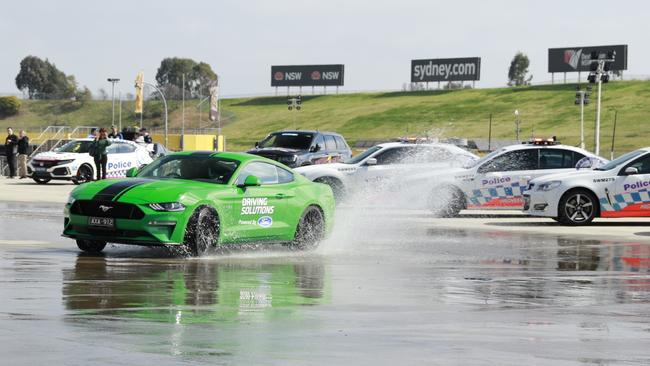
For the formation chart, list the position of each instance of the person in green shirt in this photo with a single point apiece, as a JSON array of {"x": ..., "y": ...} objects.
[{"x": 98, "y": 152}]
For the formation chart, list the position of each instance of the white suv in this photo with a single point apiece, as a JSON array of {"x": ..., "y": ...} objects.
[{"x": 383, "y": 162}]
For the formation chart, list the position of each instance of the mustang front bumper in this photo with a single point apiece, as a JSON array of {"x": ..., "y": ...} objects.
[{"x": 133, "y": 224}]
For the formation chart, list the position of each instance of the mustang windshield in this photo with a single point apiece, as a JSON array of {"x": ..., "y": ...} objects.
[
  {"x": 205, "y": 169},
  {"x": 76, "y": 147},
  {"x": 289, "y": 140}
]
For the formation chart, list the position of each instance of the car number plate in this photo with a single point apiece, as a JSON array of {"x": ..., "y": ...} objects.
[
  {"x": 105, "y": 222},
  {"x": 40, "y": 169}
]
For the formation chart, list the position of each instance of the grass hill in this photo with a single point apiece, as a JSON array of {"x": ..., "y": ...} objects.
[{"x": 548, "y": 109}]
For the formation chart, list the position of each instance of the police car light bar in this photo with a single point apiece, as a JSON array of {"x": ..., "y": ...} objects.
[{"x": 540, "y": 141}]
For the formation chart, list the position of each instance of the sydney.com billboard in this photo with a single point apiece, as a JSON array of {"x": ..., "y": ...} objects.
[
  {"x": 572, "y": 59},
  {"x": 446, "y": 69},
  {"x": 307, "y": 75}
]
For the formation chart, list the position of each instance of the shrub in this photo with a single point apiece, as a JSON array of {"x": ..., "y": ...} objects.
[{"x": 9, "y": 106}]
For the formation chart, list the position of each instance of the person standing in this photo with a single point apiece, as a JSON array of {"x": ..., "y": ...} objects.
[
  {"x": 23, "y": 154},
  {"x": 145, "y": 136},
  {"x": 92, "y": 134},
  {"x": 98, "y": 151},
  {"x": 11, "y": 150},
  {"x": 115, "y": 134}
]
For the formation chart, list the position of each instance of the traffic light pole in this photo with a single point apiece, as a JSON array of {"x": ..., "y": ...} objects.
[{"x": 294, "y": 104}]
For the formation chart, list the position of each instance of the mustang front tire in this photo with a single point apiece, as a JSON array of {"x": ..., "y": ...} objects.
[
  {"x": 202, "y": 231},
  {"x": 91, "y": 246},
  {"x": 311, "y": 229}
]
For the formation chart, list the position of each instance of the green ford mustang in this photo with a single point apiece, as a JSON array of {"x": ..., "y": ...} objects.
[{"x": 200, "y": 200}]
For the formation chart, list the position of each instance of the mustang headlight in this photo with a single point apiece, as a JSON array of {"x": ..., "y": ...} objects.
[
  {"x": 167, "y": 206},
  {"x": 549, "y": 185},
  {"x": 288, "y": 159}
]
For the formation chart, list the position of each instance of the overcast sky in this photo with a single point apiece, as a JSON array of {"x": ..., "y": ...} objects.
[{"x": 375, "y": 39}]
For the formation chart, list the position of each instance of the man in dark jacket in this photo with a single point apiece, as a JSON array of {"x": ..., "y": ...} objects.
[
  {"x": 11, "y": 150},
  {"x": 115, "y": 134},
  {"x": 23, "y": 154}
]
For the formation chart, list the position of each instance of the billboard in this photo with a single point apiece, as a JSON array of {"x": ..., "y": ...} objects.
[
  {"x": 572, "y": 59},
  {"x": 307, "y": 75},
  {"x": 446, "y": 69}
]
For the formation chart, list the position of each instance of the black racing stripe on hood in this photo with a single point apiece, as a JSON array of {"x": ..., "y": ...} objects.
[
  {"x": 119, "y": 195},
  {"x": 111, "y": 192}
]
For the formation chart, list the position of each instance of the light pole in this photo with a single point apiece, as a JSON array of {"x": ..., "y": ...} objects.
[
  {"x": 517, "y": 122},
  {"x": 600, "y": 67},
  {"x": 582, "y": 119},
  {"x": 164, "y": 104},
  {"x": 600, "y": 87},
  {"x": 113, "y": 81}
]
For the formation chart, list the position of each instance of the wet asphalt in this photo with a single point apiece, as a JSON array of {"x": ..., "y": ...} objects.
[{"x": 383, "y": 290}]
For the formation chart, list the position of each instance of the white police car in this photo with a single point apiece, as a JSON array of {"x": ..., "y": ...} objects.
[
  {"x": 497, "y": 180},
  {"x": 619, "y": 188},
  {"x": 382, "y": 162},
  {"x": 72, "y": 161}
]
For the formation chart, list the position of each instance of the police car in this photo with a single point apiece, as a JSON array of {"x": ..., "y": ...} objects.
[
  {"x": 382, "y": 162},
  {"x": 497, "y": 180},
  {"x": 616, "y": 189},
  {"x": 72, "y": 161}
]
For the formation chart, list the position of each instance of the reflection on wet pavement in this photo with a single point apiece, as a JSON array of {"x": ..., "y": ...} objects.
[{"x": 379, "y": 294}]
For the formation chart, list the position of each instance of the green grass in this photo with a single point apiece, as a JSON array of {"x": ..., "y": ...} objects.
[{"x": 549, "y": 109}]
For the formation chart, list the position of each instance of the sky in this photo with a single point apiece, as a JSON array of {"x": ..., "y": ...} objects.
[{"x": 374, "y": 39}]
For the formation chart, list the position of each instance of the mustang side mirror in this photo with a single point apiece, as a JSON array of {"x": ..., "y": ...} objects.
[
  {"x": 371, "y": 161},
  {"x": 132, "y": 172},
  {"x": 630, "y": 170},
  {"x": 257, "y": 144},
  {"x": 314, "y": 148},
  {"x": 250, "y": 181}
]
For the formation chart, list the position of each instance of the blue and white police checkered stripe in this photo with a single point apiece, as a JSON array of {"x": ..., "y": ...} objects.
[
  {"x": 121, "y": 173},
  {"x": 622, "y": 200},
  {"x": 482, "y": 196}
]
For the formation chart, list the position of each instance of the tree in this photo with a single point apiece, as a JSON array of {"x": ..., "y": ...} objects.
[
  {"x": 103, "y": 95},
  {"x": 42, "y": 80},
  {"x": 202, "y": 76},
  {"x": 33, "y": 76},
  {"x": 518, "y": 70},
  {"x": 170, "y": 76},
  {"x": 83, "y": 95},
  {"x": 9, "y": 106}
]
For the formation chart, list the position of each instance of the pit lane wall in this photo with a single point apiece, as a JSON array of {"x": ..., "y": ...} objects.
[{"x": 191, "y": 142}]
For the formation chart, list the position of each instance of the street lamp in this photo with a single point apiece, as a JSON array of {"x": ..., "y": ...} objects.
[
  {"x": 113, "y": 81},
  {"x": 600, "y": 67},
  {"x": 517, "y": 123}
]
